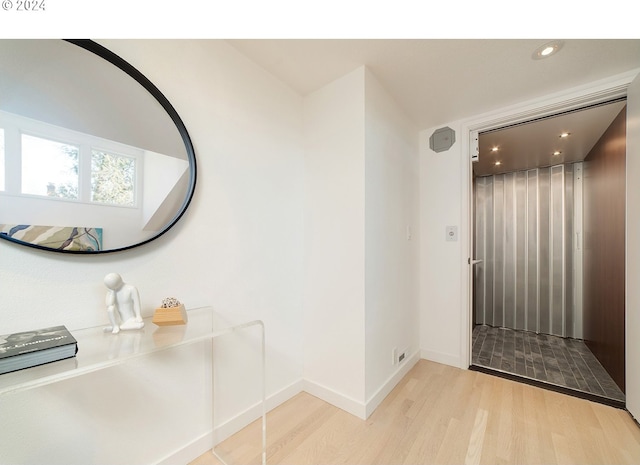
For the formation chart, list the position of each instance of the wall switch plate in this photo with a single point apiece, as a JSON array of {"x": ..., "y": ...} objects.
[{"x": 452, "y": 233}]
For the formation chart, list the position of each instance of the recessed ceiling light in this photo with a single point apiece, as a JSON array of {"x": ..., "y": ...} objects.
[
  {"x": 557, "y": 152},
  {"x": 547, "y": 50},
  {"x": 498, "y": 163},
  {"x": 494, "y": 149},
  {"x": 565, "y": 134}
]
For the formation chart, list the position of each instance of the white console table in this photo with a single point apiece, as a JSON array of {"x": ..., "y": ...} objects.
[{"x": 98, "y": 350}]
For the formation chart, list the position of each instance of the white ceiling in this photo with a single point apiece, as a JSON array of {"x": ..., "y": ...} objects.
[{"x": 437, "y": 81}]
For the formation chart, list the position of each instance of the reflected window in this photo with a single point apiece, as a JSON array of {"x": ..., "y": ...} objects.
[
  {"x": 49, "y": 168},
  {"x": 112, "y": 178},
  {"x": 2, "y": 171}
]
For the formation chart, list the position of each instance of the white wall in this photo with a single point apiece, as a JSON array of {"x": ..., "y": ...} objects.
[
  {"x": 238, "y": 248},
  {"x": 334, "y": 295},
  {"x": 391, "y": 240},
  {"x": 361, "y": 282},
  {"x": 632, "y": 334},
  {"x": 440, "y": 260}
]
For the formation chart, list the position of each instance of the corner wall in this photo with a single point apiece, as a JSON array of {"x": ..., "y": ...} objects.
[
  {"x": 361, "y": 242},
  {"x": 334, "y": 295},
  {"x": 392, "y": 233}
]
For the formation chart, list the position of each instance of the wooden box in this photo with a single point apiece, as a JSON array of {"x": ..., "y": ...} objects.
[{"x": 170, "y": 316}]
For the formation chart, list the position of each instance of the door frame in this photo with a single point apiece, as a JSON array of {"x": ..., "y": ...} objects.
[{"x": 578, "y": 97}]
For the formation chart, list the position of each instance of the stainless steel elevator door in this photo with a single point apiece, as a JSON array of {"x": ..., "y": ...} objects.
[{"x": 524, "y": 237}]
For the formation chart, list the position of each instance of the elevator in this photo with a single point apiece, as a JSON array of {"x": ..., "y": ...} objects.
[{"x": 548, "y": 225}]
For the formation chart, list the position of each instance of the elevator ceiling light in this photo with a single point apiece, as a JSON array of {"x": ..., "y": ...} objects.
[
  {"x": 565, "y": 134},
  {"x": 494, "y": 149},
  {"x": 546, "y": 50},
  {"x": 557, "y": 152},
  {"x": 498, "y": 163}
]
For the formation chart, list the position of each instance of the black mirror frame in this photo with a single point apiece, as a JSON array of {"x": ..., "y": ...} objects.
[{"x": 117, "y": 61}]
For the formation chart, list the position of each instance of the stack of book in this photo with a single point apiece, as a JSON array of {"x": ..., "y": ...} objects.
[{"x": 32, "y": 348}]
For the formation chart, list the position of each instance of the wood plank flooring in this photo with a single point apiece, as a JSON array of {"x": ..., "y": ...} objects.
[{"x": 439, "y": 414}]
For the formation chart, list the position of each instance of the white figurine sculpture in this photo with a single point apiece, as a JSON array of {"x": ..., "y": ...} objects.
[{"x": 124, "y": 300}]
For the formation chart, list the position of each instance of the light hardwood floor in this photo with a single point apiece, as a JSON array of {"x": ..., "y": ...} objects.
[{"x": 443, "y": 415}]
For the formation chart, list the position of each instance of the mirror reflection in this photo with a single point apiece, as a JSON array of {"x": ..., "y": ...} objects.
[{"x": 91, "y": 160}]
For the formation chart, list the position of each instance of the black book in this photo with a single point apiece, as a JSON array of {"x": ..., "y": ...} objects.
[{"x": 32, "y": 348}]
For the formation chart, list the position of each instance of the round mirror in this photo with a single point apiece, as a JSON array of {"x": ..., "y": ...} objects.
[{"x": 93, "y": 157}]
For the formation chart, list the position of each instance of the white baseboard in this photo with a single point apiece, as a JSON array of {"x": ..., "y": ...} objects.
[
  {"x": 206, "y": 441},
  {"x": 235, "y": 424},
  {"x": 186, "y": 454},
  {"x": 376, "y": 399},
  {"x": 354, "y": 407},
  {"x": 336, "y": 399},
  {"x": 439, "y": 357},
  {"x": 361, "y": 410}
]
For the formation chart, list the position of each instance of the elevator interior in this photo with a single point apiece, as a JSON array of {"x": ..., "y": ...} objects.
[{"x": 549, "y": 249}]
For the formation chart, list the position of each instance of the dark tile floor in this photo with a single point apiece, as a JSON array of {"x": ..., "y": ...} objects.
[{"x": 560, "y": 361}]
